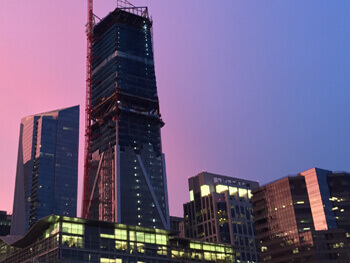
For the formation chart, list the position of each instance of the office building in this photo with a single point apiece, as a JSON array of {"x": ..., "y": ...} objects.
[
  {"x": 220, "y": 210},
  {"x": 47, "y": 168},
  {"x": 285, "y": 226},
  {"x": 125, "y": 179},
  {"x": 5, "y": 223},
  {"x": 329, "y": 195},
  {"x": 282, "y": 218},
  {"x": 67, "y": 239}
]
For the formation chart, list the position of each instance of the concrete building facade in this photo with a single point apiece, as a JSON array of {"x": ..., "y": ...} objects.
[{"x": 220, "y": 210}]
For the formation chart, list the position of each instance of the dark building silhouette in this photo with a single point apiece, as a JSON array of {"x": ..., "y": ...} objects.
[
  {"x": 5, "y": 223},
  {"x": 176, "y": 225},
  {"x": 285, "y": 221},
  {"x": 47, "y": 168},
  {"x": 127, "y": 181},
  {"x": 220, "y": 210}
]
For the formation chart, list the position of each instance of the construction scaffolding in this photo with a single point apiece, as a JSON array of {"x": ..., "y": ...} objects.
[
  {"x": 87, "y": 152},
  {"x": 123, "y": 153}
]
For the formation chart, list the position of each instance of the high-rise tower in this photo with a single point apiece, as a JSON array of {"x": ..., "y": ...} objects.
[
  {"x": 126, "y": 178},
  {"x": 47, "y": 168}
]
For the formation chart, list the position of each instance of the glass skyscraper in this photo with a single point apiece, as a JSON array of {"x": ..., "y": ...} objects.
[
  {"x": 127, "y": 181},
  {"x": 47, "y": 168}
]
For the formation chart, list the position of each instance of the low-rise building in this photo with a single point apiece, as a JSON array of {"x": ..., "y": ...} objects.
[{"x": 69, "y": 239}]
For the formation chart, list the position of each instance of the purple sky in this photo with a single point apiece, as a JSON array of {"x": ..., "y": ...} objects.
[{"x": 251, "y": 89}]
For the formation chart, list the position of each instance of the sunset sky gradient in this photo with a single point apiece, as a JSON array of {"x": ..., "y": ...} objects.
[{"x": 251, "y": 89}]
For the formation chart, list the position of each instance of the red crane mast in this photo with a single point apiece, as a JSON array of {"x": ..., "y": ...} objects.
[{"x": 87, "y": 152}]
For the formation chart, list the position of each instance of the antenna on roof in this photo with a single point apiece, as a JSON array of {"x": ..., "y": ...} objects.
[
  {"x": 129, "y": 7},
  {"x": 124, "y": 4}
]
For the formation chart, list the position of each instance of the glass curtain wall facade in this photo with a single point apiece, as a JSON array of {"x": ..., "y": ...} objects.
[
  {"x": 67, "y": 239},
  {"x": 127, "y": 173},
  {"x": 283, "y": 221},
  {"x": 319, "y": 196},
  {"x": 339, "y": 189},
  {"x": 329, "y": 194},
  {"x": 47, "y": 168},
  {"x": 289, "y": 229}
]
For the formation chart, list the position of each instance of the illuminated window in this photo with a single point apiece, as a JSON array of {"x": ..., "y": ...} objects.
[
  {"x": 195, "y": 245},
  {"x": 296, "y": 250},
  {"x": 162, "y": 251},
  {"x": 132, "y": 235},
  {"x": 150, "y": 238},
  {"x": 72, "y": 241},
  {"x": 111, "y": 260},
  {"x": 161, "y": 239},
  {"x": 191, "y": 195},
  {"x": 242, "y": 192},
  {"x": 208, "y": 247},
  {"x": 53, "y": 229},
  {"x": 207, "y": 256},
  {"x": 205, "y": 190},
  {"x": 250, "y": 195},
  {"x": 140, "y": 236},
  {"x": 120, "y": 234},
  {"x": 232, "y": 190},
  {"x": 220, "y": 249},
  {"x": 72, "y": 228},
  {"x": 140, "y": 247},
  {"x": 229, "y": 250},
  {"x": 221, "y": 188},
  {"x": 120, "y": 245}
]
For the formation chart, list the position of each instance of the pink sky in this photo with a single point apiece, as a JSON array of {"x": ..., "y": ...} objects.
[{"x": 256, "y": 90}]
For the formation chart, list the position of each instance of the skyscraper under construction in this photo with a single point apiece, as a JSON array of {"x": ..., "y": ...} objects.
[{"x": 125, "y": 179}]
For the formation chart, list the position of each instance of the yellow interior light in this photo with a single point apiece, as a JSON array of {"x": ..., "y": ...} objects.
[
  {"x": 250, "y": 195},
  {"x": 191, "y": 195},
  {"x": 221, "y": 188},
  {"x": 232, "y": 190},
  {"x": 242, "y": 192},
  {"x": 205, "y": 190}
]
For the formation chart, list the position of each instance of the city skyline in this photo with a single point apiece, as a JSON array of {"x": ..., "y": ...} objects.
[{"x": 256, "y": 91}]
